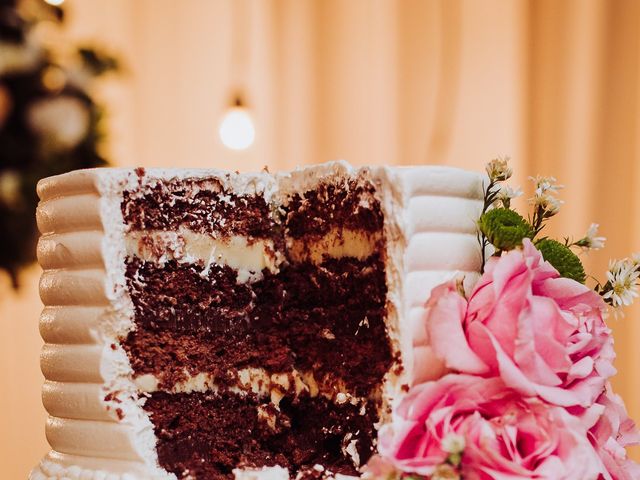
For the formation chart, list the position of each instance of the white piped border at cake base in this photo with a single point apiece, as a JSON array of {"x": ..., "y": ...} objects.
[
  {"x": 57, "y": 466},
  {"x": 279, "y": 473}
]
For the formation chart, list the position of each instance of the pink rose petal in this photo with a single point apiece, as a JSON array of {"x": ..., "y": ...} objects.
[{"x": 543, "y": 334}]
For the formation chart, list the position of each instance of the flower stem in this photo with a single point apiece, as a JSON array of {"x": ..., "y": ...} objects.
[{"x": 489, "y": 197}]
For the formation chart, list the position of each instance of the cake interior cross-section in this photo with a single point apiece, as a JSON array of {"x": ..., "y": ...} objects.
[
  {"x": 202, "y": 324},
  {"x": 260, "y": 333}
]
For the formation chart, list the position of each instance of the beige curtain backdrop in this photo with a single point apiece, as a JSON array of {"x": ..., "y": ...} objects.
[{"x": 555, "y": 84}]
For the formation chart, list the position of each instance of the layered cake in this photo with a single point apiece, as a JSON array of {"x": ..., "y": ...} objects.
[{"x": 204, "y": 324}]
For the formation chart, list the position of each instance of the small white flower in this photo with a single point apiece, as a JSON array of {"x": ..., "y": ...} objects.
[
  {"x": 498, "y": 169},
  {"x": 591, "y": 240},
  {"x": 618, "y": 265},
  {"x": 635, "y": 258},
  {"x": 453, "y": 443},
  {"x": 445, "y": 471},
  {"x": 506, "y": 194},
  {"x": 545, "y": 184},
  {"x": 549, "y": 204},
  {"x": 623, "y": 278}
]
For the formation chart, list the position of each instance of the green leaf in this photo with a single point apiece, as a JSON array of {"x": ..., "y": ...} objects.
[
  {"x": 504, "y": 228},
  {"x": 562, "y": 258}
]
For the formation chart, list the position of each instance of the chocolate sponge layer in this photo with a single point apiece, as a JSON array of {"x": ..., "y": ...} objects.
[
  {"x": 326, "y": 318},
  {"x": 350, "y": 204},
  {"x": 208, "y": 435},
  {"x": 203, "y": 206}
]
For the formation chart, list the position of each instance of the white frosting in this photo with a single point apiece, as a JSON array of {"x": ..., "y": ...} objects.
[
  {"x": 279, "y": 473},
  {"x": 442, "y": 207},
  {"x": 265, "y": 473},
  {"x": 249, "y": 258},
  {"x": 97, "y": 428}
]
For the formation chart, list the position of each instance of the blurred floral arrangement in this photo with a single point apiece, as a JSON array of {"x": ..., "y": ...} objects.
[
  {"x": 528, "y": 357},
  {"x": 49, "y": 122}
]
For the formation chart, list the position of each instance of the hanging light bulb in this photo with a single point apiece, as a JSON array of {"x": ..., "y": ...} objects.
[{"x": 236, "y": 128}]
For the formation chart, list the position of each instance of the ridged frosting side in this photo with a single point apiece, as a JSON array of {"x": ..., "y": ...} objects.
[
  {"x": 442, "y": 207},
  {"x": 96, "y": 426}
]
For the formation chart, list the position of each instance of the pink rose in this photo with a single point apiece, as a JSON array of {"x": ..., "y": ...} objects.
[
  {"x": 498, "y": 434},
  {"x": 611, "y": 431},
  {"x": 544, "y": 335}
]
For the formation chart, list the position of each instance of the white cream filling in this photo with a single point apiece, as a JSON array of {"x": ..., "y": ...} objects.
[
  {"x": 337, "y": 243},
  {"x": 249, "y": 258},
  {"x": 259, "y": 382}
]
